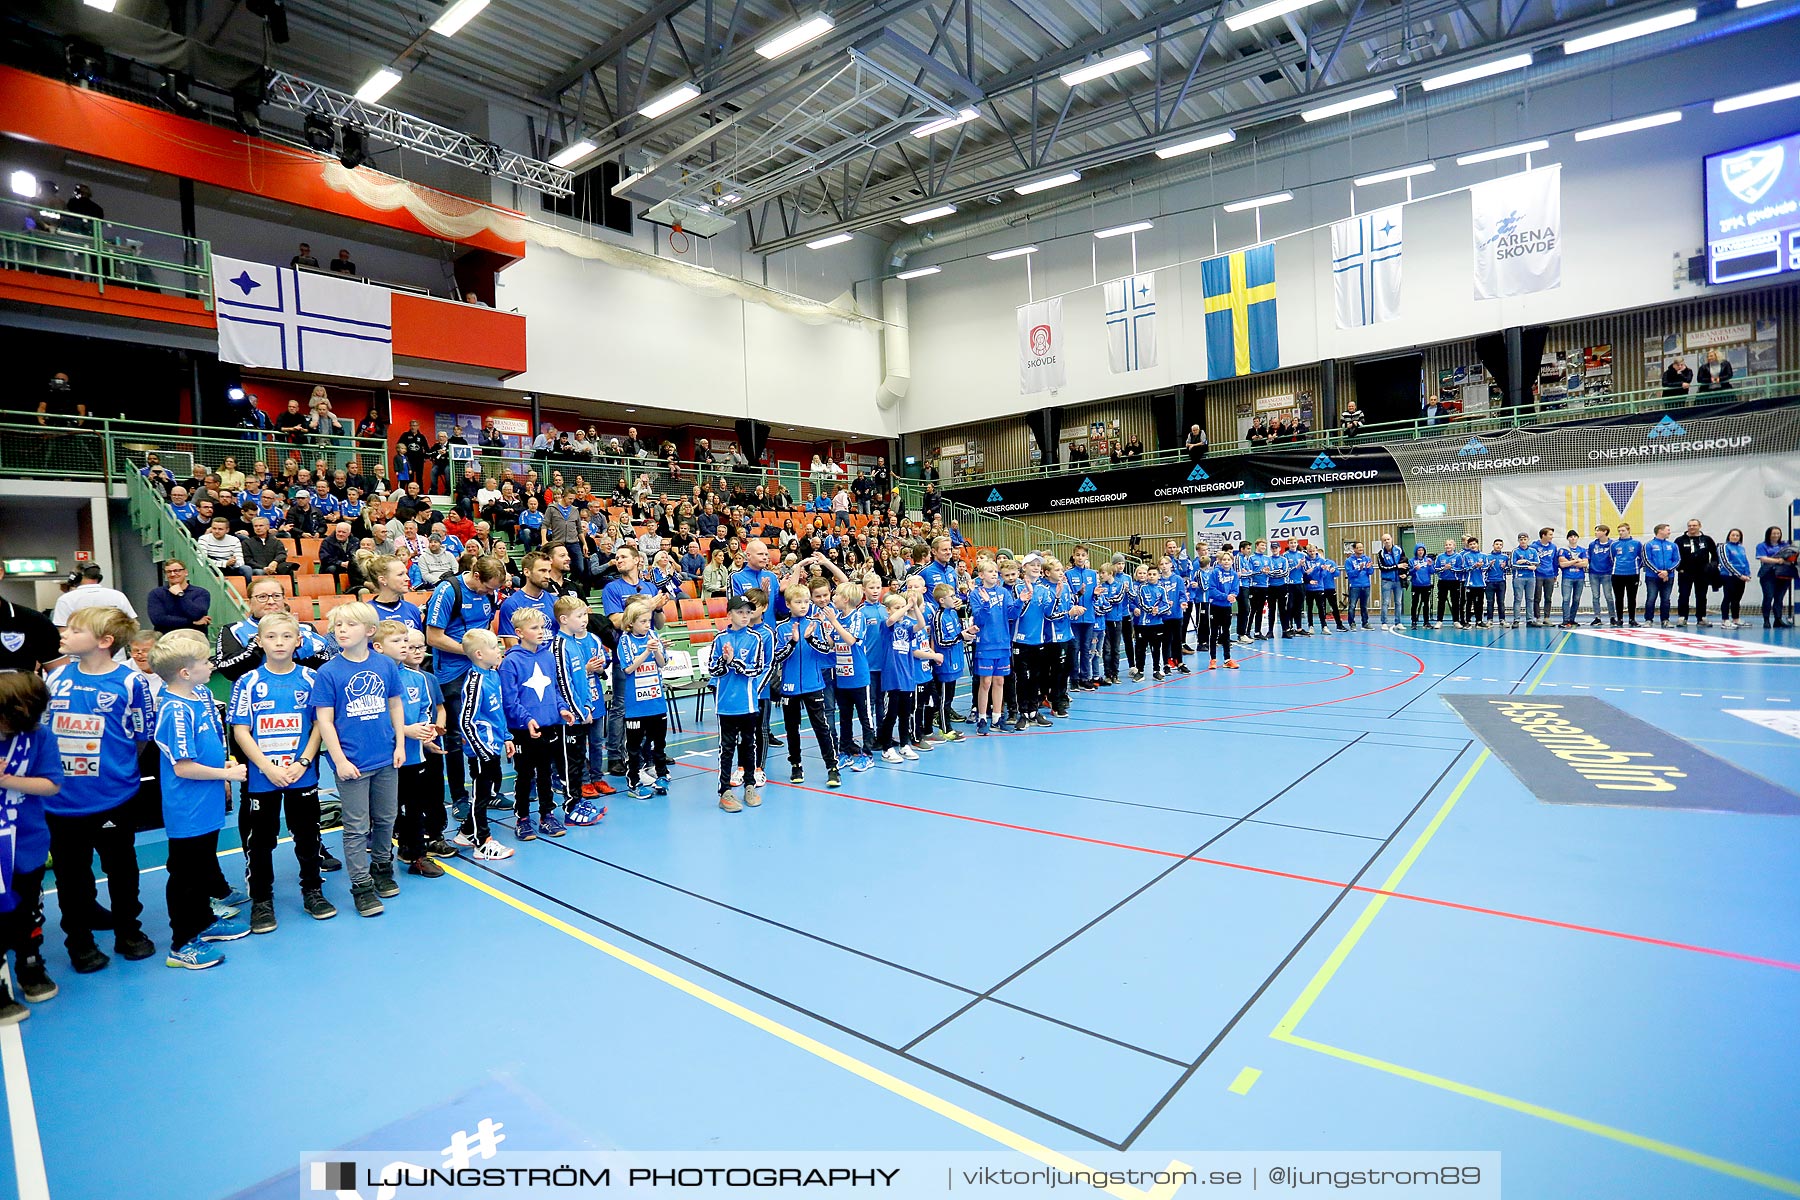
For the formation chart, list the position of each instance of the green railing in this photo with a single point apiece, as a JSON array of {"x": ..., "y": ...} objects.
[
  {"x": 1749, "y": 387},
  {"x": 50, "y": 241},
  {"x": 107, "y": 450},
  {"x": 166, "y": 539}
]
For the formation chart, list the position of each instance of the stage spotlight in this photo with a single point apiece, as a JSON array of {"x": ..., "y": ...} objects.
[
  {"x": 320, "y": 134},
  {"x": 354, "y": 151}
]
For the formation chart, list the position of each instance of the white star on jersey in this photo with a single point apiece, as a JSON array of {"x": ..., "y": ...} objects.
[{"x": 538, "y": 681}]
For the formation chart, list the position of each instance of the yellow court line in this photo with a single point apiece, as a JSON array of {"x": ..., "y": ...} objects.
[
  {"x": 1284, "y": 1029},
  {"x": 875, "y": 1075},
  {"x": 1246, "y": 1079}
]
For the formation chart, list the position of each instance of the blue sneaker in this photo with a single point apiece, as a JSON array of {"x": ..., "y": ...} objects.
[
  {"x": 585, "y": 812},
  {"x": 237, "y": 899},
  {"x": 524, "y": 829},
  {"x": 195, "y": 956},
  {"x": 551, "y": 826},
  {"x": 225, "y": 930},
  {"x": 662, "y": 785},
  {"x": 222, "y": 910},
  {"x": 860, "y": 762},
  {"x": 1001, "y": 726},
  {"x": 639, "y": 792},
  {"x": 981, "y": 726}
]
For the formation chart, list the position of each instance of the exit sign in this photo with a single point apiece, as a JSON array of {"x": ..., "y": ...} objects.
[
  {"x": 1430, "y": 510},
  {"x": 29, "y": 566}
]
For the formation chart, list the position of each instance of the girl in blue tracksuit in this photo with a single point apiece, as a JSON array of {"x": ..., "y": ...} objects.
[
  {"x": 1174, "y": 626},
  {"x": 850, "y": 676},
  {"x": 947, "y": 639},
  {"x": 1146, "y": 620},
  {"x": 1030, "y": 641},
  {"x": 1220, "y": 584},
  {"x": 1060, "y": 634},
  {"x": 1734, "y": 573},
  {"x": 1109, "y": 604},
  {"x": 900, "y": 671},
  {"x": 873, "y": 617},
  {"x": 1253, "y": 575},
  {"x": 992, "y": 610},
  {"x": 1418, "y": 573},
  {"x": 736, "y": 663},
  {"x": 1494, "y": 565}
]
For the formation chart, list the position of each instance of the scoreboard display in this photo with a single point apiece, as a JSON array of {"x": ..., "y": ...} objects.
[{"x": 1753, "y": 211}]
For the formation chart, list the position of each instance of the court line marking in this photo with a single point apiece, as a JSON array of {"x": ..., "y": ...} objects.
[
  {"x": 1619, "y": 658},
  {"x": 947, "y": 1109},
  {"x": 1284, "y": 1029},
  {"x": 1246, "y": 1079},
  {"x": 21, "y": 1109}
]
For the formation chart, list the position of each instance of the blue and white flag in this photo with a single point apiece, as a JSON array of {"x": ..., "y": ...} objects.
[
  {"x": 1365, "y": 268},
  {"x": 294, "y": 320},
  {"x": 1131, "y": 322}
]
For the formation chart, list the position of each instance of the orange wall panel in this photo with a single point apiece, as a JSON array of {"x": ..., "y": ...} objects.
[
  {"x": 445, "y": 331},
  {"x": 32, "y": 287}
]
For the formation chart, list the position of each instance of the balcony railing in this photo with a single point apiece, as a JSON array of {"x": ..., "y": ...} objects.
[
  {"x": 107, "y": 450},
  {"x": 36, "y": 237}
]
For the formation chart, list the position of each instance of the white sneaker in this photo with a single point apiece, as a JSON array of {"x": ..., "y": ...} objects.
[
  {"x": 737, "y": 777},
  {"x": 463, "y": 839},
  {"x": 891, "y": 755},
  {"x": 761, "y": 779},
  {"x": 491, "y": 850},
  {"x": 909, "y": 754}
]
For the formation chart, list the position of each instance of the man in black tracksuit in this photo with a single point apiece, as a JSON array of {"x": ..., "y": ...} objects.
[{"x": 1698, "y": 567}]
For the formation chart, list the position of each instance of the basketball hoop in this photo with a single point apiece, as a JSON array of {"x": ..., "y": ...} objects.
[{"x": 679, "y": 246}]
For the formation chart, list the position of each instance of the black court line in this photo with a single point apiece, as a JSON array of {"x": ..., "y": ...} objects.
[
  {"x": 1192, "y": 812},
  {"x": 1299, "y": 945},
  {"x": 559, "y": 844},
  {"x": 1426, "y": 691},
  {"x": 1134, "y": 894},
  {"x": 846, "y": 1030},
  {"x": 1254, "y": 707}
]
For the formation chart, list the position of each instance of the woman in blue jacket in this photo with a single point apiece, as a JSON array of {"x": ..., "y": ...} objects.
[
  {"x": 1775, "y": 575},
  {"x": 1419, "y": 573},
  {"x": 1734, "y": 574}
]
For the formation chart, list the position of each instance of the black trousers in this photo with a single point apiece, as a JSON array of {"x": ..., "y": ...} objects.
[
  {"x": 259, "y": 825},
  {"x": 1149, "y": 646},
  {"x": 1218, "y": 643},
  {"x": 1697, "y": 583},
  {"x": 1323, "y": 603},
  {"x": 486, "y": 774},
  {"x": 1449, "y": 593},
  {"x": 74, "y": 841},
  {"x": 853, "y": 703},
  {"x": 813, "y": 704},
  {"x": 1421, "y": 604},
  {"x": 1731, "y": 599},
  {"x": 738, "y": 738},
  {"x": 193, "y": 870},
  {"x": 1474, "y": 592},
  {"x": 421, "y": 815},
  {"x": 1288, "y": 599},
  {"x": 22, "y": 929},
  {"x": 896, "y": 717},
  {"x": 573, "y": 762},
  {"x": 1625, "y": 594},
  {"x": 877, "y": 698},
  {"x": 1062, "y": 661},
  {"x": 644, "y": 746},
  {"x": 533, "y": 764}
]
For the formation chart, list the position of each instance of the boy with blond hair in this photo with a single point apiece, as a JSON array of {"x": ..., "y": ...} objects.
[
  {"x": 482, "y": 718},
  {"x": 357, "y": 698}
]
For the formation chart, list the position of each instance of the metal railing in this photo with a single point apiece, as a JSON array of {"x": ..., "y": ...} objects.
[
  {"x": 1650, "y": 399},
  {"x": 108, "y": 450},
  {"x": 35, "y": 237},
  {"x": 167, "y": 539}
]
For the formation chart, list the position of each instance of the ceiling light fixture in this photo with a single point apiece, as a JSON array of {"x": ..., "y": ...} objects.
[
  {"x": 921, "y": 271},
  {"x": 670, "y": 100},
  {"x": 808, "y": 30},
  {"x": 1117, "y": 230},
  {"x": 1106, "y": 66},
  {"x": 1223, "y": 137},
  {"x": 1367, "y": 100},
  {"x": 1265, "y": 12},
  {"x": 1498, "y": 66},
  {"x": 835, "y": 239},
  {"x": 1396, "y": 173},
  {"x": 1629, "y": 30},
  {"x": 378, "y": 85},
  {"x": 1481, "y": 156},
  {"x": 1039, "y": 185},
  {"x": 963, "y": 117},
  {"x": 930, "y": 214},
  {"x": 1015, "y": 252},
  {"x": 1630, "y": 126},
  {"x": 571, "y": 154},
  {"x": 1259, "y": 201},
  {"x": 456, "y": 16},
  {"x": 1786, "y": 91}
]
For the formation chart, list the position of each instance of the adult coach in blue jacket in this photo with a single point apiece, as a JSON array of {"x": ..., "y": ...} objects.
[
  {"x": 1525, "y": 558},
  {"x": 1600, "y": 553},
  {"x": 1391, "y": 560},
  {"x": 1544, "y": 597}
]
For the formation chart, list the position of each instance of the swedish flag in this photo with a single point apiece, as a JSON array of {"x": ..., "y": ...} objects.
[{"x": 1240, "y": 312}]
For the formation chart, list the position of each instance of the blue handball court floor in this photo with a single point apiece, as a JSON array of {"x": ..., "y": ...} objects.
[{"x": 1298, "y": 906}]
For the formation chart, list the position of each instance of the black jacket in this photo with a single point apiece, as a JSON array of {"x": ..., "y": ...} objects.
[{"x": 1699, "y": 554}]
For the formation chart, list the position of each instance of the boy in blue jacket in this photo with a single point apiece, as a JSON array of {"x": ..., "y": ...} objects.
[
  {"x": 804, "y": 639},
  {"x": 992, "y": 610},
  {"x": 30, "y": 773},
  {"x": 482, "y": 722},
  {"x": 737, "y": 664},
  {"x": 1359, "y": 572},
  {"x": 1448, "y": 569},
  {"x": 1661, "y": 557},
  {"x": 536, "y": 715},
  {"x": 1523, "y": 562},
  {"x": 1544, "y": 581},
  {"x": 1600, "y": 554},
  {"x": 1321, "y": 589},
  {"x": 1627, "y": 566}
]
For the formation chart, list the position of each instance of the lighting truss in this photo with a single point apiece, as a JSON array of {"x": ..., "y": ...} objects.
[{"x": 398, "y": 128}]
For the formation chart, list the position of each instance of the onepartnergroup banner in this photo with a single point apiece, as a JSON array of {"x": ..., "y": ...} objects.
[{"x": 1372, "y": 1175}]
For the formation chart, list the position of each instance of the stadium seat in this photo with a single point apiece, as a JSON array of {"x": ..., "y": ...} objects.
[{"x": 317, "y": 585}]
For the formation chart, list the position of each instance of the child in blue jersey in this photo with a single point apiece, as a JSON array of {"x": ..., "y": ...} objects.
[
  {"x": 1523, "y": 563},
  {"x": 272, "y": 726},
  {"x": 421, "y": 711},
  {"x": 1174, "y": 623},
  {"x": 1418, "y": 572},
  {"x": 196, "y": 779},
  {"x": 1321, "y": 590},
  {"x": 356, "y": 697},
  {"x": 1628, "y": 568},
  {"x": 1572, "y": 561},
  {"x": 1494, "y": 565},
  {"x": 1031, "y": 643},
  {"x": 1084, "y": 581},
  {"x": 535, "y": 714},
  {"x": 582, "y": 663},
  {"x": 850, "y": 669},
  {"x": 947, "y": 624},
  {"x": 1291, "y": 568},
  {"x": 641, "y": 657},
  {"x": 873, "y": 617},
  {"x": 1448, "y": 569},
  {"x": 1220, "y": 584},
  {"x": 482, "y": 720},
  {"x": 30, "y": 774},
  {"x": 904, "y": 644},
  {"x": 103, "y": 713},
  {"x": 764, "y": 629},
  {"x": 1059, "y": 634},
  {"x": 806, "y": 645},
  {"x": 1110, "y": 607},
  {"x": 737, "y": 664},
  {"x": 1146, "y": 620},
  {"x": 991, "y": 612}
]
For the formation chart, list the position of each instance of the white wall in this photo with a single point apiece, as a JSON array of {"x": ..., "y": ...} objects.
[
  {"x": 1630, "y": 204},
  {"x": 625, "y": 336}
]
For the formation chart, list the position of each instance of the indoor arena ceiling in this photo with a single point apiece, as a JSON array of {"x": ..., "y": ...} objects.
[{"x": 823, "y": 138}]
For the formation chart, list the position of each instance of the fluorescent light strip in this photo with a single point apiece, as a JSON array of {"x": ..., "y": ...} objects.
[
  {"x": 919, "y": 273},
  {"x": 1750, "y": 3},
  {"x": 456, "y": 16},
  {"x": 1221, "y": 138},
  {"x": 1631, "y": 126},
  {"x": 379, "y": 84},
  {"x": 1481, "y": 156},
  {"x": 1786, "y": 91},
  {"x": 1259, "y": 202},
  {"x": 103, "y": 5},
  {"x": 574, "y": 152},
  {"x": 729, "y": 198},
  {"x": 930, "y": 214},
  {"x": 1015, "y": 252},
  {"x": 1396, "y": 173},
  {"x": 1265, "y": 12},
  {"x": 1632, "y": 29},
  {"x": 835, "y": 239},
  {"x": 1368, "y": 100},
  {"x": 1106, "y": 66},
  {"x": 670, "y": 100},
  {"x": 1115, "y": 231},
  {"x": 808, "y": 30},
  {"x": 1039, "y": 185},
  {"x": 1498, "y": 66},
  {"x": 963, "y": 117}
]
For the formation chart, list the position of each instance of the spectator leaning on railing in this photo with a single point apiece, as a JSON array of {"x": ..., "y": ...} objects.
[{"x": 1351, "y": 421}]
